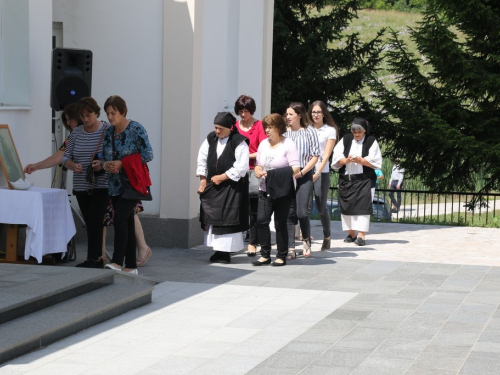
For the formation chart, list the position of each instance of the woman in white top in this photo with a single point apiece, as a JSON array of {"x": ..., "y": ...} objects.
[
  {"x": 306, "y": 141},
  {"x": 277, "y": 162},
  {"x": 327, "y": 132},
  {"x": 357, "y": 155}
]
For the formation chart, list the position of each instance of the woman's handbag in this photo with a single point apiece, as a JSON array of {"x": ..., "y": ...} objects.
[
  {"x": 90, "y": 174},
  {"x": 129, "y": 193},
  {"x": 254, "y": 183}
]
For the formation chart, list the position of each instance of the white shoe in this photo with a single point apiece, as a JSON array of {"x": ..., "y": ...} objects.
[
  {"x": 112, "y": 267},
  {"x": 131, "y": 272}
]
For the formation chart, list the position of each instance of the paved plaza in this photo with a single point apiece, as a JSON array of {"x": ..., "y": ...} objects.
[{"x": 415, "y": 300}]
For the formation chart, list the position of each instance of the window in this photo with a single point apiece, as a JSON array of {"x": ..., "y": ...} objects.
[{"x": 14, "y": 53}]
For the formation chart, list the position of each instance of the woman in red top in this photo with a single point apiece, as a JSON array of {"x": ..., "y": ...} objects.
[{"x": 253, "y": 130}]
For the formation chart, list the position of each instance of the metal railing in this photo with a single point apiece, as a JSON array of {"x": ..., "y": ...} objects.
[{"x": 426, "y": 207}]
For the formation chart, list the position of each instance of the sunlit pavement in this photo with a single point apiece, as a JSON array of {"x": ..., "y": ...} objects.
[{"x": 415, "y": 300}]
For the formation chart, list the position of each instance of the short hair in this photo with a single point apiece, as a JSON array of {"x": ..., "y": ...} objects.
[
  {"x": 300, "y": 109},
  {"x": 274, "y": 120},
  {"x": 245, "y": 102},
  {"x": 117, "y": 103},
  {"x": 357, "y": 127},
  {"x": 71, "y": 112},
  {"x": 88, "y": 103}
]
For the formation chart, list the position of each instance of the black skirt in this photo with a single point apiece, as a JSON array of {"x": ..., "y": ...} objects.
[
  {"x": 225, "y": 206},
  {"x": 355, "y": 195}
]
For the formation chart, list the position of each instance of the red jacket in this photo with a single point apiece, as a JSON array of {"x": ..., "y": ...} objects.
[{"x": 137, "y": 172}]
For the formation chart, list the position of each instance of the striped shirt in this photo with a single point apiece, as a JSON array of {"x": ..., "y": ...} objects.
[
  {"x": 80, "y": 148},
  {"x": 307, "y": 143}
]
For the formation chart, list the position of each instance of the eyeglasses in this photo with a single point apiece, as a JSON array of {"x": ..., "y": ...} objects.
[{"x": 317, "y": 113}]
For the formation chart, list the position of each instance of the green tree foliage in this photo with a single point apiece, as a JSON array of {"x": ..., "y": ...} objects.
[
  {"x": 445, "y": 124},
  {"x": 313, "y": 58}
]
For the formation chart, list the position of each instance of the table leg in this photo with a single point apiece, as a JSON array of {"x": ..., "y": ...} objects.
[{"x": 12, "y": 238}]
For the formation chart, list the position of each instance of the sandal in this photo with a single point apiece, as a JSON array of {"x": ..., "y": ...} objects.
[
  {"x": 143, "y": 259},
  {"x": 291, "y": 255},
  {"x": 307, "y": 247}
]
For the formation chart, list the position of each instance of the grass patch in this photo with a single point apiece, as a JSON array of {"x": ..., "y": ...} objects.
[{"x": 469, "y": 219}]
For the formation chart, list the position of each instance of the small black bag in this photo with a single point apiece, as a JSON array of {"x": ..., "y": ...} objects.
[
  {"x": 129, "y": 193},
  {"x": 254, "y": 184},
  {"x": 90, "y": 174}
]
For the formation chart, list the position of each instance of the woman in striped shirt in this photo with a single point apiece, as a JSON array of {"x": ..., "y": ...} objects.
[
  {"x": 306, "y": 141},
  {"x": 93, "y": 199}
]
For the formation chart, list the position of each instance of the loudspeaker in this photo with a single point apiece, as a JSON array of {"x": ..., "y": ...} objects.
[{"x": 71, "y": 76}]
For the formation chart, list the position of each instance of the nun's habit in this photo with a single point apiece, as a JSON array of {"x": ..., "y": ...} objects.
[
  {"x": 357, "y": 182},
  {"x": 224, "y": 207}
]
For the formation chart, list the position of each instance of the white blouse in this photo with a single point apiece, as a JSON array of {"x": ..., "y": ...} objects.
[
  {"x": 374, "y": 156},
  {"x": 325, "y": 133},
  {"x": 240, "y": 166}
]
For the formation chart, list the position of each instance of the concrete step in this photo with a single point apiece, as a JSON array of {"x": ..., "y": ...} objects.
[
  {"x": 28, "y": 288},
  {"x": 43, "y": 327}
]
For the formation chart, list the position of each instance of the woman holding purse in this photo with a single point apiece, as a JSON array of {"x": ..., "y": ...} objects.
[
  {"x": 123, "y": 139},
  {"x": 85, "y": 145},
  {"x": 251, "y": 128}
]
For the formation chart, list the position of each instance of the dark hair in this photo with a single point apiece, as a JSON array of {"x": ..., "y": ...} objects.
[
  {"x": 117, "y": 103},
  {"x": 71, "y": 112},
  {"x": 245, "y": 102},
  {"x": 282, "y": 110},
  {"x": 88, "y": 103},
  {"x": 327, "y": 117},
  {"x": 300, "y": 110},
  {"x": 274, "y": 120}
]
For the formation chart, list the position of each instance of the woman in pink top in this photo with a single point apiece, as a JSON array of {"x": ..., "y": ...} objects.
[
  {"x": 253, "y": 130},
  {"x": 278, "y": 161}
]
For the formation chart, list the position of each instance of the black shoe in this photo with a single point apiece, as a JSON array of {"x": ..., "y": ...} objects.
[
  {"x": 326, "y": 244},
  {"x": 91, "y": 263},
  {"x": 225, "y": 257},
  {"x": 216, "y": 257},
  {"x": 350, "y": 239},
  {"x": 259, "y": 263},
  {"x": 279, "y": 264},
  {"x": 360, "y": 242}
]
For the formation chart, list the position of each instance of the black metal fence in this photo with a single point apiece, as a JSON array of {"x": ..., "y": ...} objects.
[{"x": 425, "y": 207}]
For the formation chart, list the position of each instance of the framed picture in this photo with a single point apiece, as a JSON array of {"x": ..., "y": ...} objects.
[{"x": 9, "y": 159}]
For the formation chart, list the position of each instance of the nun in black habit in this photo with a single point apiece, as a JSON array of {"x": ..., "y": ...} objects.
[
  {"x": 222, "y": 166},
  {"x": 356, "y": 156}
]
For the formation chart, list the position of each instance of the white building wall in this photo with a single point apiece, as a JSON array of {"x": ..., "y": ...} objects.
[
  {"x": 31, "y": 126},
  {"x": 125, "y": 37},
  {"x": 176, "y": 63}
]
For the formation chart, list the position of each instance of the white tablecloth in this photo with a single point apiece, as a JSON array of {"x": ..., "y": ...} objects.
[{"x": 46, "y": 212}]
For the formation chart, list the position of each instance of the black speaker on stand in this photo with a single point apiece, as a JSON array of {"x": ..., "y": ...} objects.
[{"x": 71, "y": 76}]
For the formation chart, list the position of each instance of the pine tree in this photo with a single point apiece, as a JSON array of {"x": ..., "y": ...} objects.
[
  {"x": 445, "y": 125},
  {"x": 314, "y": 59}
]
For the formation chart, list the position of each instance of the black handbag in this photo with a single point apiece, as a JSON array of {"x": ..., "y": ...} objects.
[
  {"x": 254, "y": 184},
  {"x": 90, "y": 174},
  {"x": 129, "y": 193}
]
